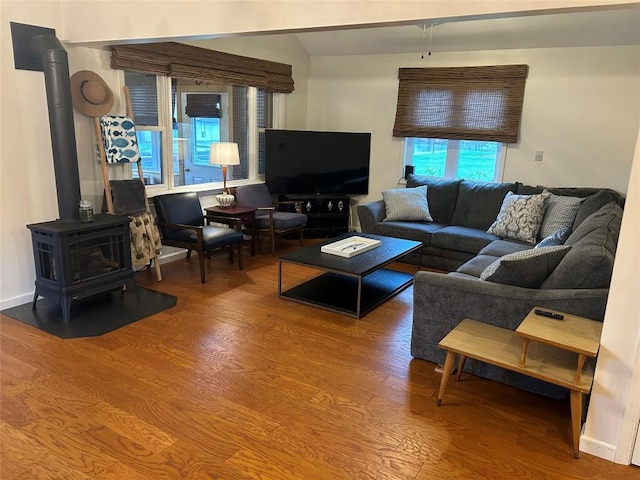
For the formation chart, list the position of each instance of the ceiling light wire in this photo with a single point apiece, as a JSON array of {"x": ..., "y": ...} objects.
[{"x": 430, "y": 38}]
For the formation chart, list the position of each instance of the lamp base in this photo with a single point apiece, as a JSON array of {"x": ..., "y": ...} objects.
[{"x": 225, "y": 200}]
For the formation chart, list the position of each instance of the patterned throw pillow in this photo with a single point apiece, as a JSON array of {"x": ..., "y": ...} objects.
[
  {"x": 560, "y": 213},
  {"x": 407, "y": 204},
  {"x": 556, "y": 238},
  {"x": 528, "y": 268},
  {"x": 520, "y": 217}
]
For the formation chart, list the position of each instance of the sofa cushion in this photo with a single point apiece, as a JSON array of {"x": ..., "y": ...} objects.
[
  {"x": 559, "y": 237},
  {"x": 595, "y": 202},
  {"x": 464, "y": 239},
  {"x": 560, "y": 213},
  {"x": 600, "y": 228},
  {"x": 520, "y": 217},
  {"x": 478, "y": 203},
  {"x": 417, "y": 231},
  {"x": 476, "y": 265},
  {"x": 406, "y": 204},
  {"x": 528, "y": 268},
  {"x": 589, "y": 264},
  {"x": 499, "y": 248},
  {"x": 441, "y": 195}
]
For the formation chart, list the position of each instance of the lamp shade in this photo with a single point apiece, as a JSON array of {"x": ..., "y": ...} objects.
[{"x": 224, "y": 153}]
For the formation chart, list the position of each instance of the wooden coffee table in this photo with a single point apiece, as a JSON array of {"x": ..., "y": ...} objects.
[{"x": 351, "y": 286}]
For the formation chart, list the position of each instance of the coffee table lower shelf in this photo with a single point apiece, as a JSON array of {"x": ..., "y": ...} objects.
[{"x": 339, "y": 293}]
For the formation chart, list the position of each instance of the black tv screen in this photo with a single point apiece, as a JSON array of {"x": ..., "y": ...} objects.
[{"x": 300, "y": 162}]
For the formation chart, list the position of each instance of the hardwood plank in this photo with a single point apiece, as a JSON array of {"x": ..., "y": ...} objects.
[{"x": 236, "y": 383}]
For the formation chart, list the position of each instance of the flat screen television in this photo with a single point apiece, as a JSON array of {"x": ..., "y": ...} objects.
[{"x": 300, "y": 162}]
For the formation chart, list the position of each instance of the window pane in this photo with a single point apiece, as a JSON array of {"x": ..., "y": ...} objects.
[
  {"x": 206, "y": 131},
  {"x": 492, "y": 105},
  {"x": 429, "y": 156},
  {"x": 240, "y": 132},
  {"x": 198, "y": 112},
  {"x": 143, "y": 92},
  {"x": 150, "y": 145},
  {"x": 477, "y": 160}
]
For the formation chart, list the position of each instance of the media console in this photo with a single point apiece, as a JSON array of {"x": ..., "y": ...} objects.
[{"x": 327, "y": 215}]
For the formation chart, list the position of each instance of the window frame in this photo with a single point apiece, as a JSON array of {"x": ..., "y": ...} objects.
[
  {"x": 451, "y": 161},
  {"x": 165, "y": 127}
]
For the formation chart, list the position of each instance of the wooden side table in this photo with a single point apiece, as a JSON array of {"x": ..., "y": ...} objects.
[
  {"x": 557, "y": 354},
  {"x": 244, "y": 216}
]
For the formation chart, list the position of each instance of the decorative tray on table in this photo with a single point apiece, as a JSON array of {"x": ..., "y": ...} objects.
[{"x": 350, "y": 247}]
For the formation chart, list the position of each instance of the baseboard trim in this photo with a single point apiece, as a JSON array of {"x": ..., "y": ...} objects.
[
  {"x": 597, "y": 448},
  {"x": 15, "y": 301}
]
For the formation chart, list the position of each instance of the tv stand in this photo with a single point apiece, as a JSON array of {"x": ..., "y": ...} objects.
[{"x": 327, "y": 215}]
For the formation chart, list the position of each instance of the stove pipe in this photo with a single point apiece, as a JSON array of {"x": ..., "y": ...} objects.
[{"x": 55, "y": 66}]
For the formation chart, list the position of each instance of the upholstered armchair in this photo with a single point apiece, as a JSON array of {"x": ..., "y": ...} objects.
[
  {"x": 182, "y": 224},
  {"x": 269, "y": 221}
]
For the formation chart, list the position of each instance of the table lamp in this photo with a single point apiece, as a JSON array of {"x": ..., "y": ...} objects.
[{"x": 224, "y": 153}]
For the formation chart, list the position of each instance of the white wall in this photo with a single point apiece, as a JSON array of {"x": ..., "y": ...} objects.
[
  {"x": 27, "y": 191},
  {"x": 581, "y": 107},
  {"x": 615, "y": 378}
]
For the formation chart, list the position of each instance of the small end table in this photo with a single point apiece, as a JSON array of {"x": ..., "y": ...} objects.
[
  {"x": 244, "y": 216},
  {"x": 557, "y": 355}
]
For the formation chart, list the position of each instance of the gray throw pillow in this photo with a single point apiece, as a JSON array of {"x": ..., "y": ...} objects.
[
  {"x": 520, "y": 217},
  {"x": 560, "y": 213},
  {"x": 556, "y": 238},
  {"x": 528, "y": 268},
  {"x": 406, "y": 204}
]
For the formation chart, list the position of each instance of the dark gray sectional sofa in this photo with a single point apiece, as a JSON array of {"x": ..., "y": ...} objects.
[{"x": 457, "y": 241}]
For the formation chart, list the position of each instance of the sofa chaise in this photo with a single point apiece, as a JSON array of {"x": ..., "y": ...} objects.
[{"x": 496, "y": 276}]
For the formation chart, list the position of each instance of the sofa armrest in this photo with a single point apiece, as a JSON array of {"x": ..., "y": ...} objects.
[
  {"x": 440, "y": 302},
  {"x": 371, "y": 213}
]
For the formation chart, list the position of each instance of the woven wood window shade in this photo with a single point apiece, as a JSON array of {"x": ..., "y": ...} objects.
[
  {"x": 144, "y": 98},
  {"x": 203, "y": 105},
  {"x": 185, "y": 61},
  {"x": 461, "y": 103}
]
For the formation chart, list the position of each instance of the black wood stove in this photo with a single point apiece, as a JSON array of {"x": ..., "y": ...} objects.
[
  {"x": 77, "y": 260},
  {"x": 74, "y": 260}
]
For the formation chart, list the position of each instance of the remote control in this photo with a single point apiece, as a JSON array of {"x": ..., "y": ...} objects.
[{"x": 544, "y": 313}]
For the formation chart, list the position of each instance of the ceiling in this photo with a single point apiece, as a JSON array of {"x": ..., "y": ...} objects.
[{"x": 612, "y": 27}]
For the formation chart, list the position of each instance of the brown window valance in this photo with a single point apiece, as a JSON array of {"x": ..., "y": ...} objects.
[
  {"x": 185, "y": 61},
  {"x": 461, "y": 103}
]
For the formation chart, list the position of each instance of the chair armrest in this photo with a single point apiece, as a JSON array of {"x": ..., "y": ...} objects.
[{"x": 182, "y": 226}]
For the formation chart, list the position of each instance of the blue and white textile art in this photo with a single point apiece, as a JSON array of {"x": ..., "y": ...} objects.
[{"x": 119, "y": 139}]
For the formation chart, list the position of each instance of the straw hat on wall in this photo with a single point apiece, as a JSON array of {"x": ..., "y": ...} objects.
[{"x": 90, "y": 94}]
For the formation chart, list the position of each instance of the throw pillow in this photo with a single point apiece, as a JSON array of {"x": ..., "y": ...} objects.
[
  {"x": 560, "y": 213},
  {"x": 406, "y": 204},
  {"x": 528, "y": 268},
  {"x": 556, "y": 238},
  {"x": 520, "y": 217}
]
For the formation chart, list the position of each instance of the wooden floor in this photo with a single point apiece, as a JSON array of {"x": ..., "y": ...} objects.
[{"x": 235, "y": 383}]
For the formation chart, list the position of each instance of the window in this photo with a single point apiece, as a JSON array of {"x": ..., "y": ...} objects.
[
  {"x": 457, "y": 120},
  {"x": 472, "y": 160},
  {"x": 197, "y": 114}
]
